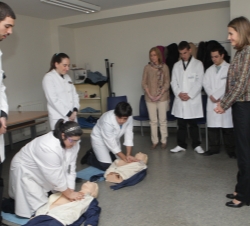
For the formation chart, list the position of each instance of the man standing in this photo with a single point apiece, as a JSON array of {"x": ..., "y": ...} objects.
[
  {"x": 186, "y": 84},
  {"x": 214, "y": 83},
  {"x": 7, "y": 17}
]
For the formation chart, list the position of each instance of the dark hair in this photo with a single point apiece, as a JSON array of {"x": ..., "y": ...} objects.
[
  {"x": 123, "y": 109},
  {"x": 183, "y": 45},
  {"x": 6, "y": 11},
  {"x": 218, "y": 49},
  {"x": 242, "y": 26},
  {"x": 57, "y": 58},
  {"x": 69, "y": 129}
]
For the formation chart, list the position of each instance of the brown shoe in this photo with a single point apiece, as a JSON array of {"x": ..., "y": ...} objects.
[
  {"x": 153, "y": 146},
  {"x": 163, "y": 146}
]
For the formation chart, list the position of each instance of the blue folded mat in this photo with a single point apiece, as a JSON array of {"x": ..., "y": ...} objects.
[
  {"x": 14, "y": 218},
  {"x": 88, "y": 172}
]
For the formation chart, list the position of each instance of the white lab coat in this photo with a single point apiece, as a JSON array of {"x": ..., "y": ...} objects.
[
  {"x": 215, "y": 85},
  {"x": 3, "y": 107},
  {"x": 61, "y": 96},
  {"x": 188, "y": 81},
  {"x": 106, "y": 134},
  {"x": 40, "y": 166}
]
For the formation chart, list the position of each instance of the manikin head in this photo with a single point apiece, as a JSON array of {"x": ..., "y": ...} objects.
[
  {"x": 142, "y": 157},
  {"x": 90, "y": 188}
]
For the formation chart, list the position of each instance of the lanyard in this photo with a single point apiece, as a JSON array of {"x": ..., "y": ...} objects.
[{"x": 185, "y": 66}]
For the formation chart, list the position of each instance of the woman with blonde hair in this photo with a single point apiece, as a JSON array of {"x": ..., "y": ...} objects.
[
  {"x": 156, "y": 82},
  {"x": 238, "y": 96}
]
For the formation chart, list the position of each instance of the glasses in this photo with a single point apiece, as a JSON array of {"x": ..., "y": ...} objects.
[{"x": 71, "y": 140}]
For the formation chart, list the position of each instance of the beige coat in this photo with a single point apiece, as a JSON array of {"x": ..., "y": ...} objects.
[{"x": 149, "y": 81}]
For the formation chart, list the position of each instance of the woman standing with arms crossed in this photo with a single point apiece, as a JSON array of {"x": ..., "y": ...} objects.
[
  {"x": 156, "y": 82},
  {"x": 60, "y": 92},
  {"x": 238, "y": 96}
]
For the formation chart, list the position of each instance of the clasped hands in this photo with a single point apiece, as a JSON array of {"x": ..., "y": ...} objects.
[
  {"x": 219, "y": 109},
  {"x": 3, "y": 127},
  {"x": 73, "y": 116},
  {"x": 184, "y": 96},
  {"x": 154, "y": 99}
]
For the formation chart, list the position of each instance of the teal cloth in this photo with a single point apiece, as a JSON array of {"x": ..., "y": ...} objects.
[
  {"x": 88, "y": 172},
  {"x": 217, "y": 68},
  {"x": 14, "y": 218}
]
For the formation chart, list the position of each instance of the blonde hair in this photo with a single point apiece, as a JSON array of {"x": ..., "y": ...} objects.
[
  {"x": 158, "y": 53},
  {"x": 242, "y": 26}
]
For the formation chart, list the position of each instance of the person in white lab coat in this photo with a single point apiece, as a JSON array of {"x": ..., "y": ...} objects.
[
  {"x": 186, "y": 83},
  {"x": 106, "y": 134},
  {"x": 45, "y": 164},
  {"x": 7, "y": 21},
  {"x": 60, "y": 92},
  {"x": 214, "y": 83}
]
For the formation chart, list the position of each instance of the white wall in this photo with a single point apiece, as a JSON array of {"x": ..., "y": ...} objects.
[
  {"x": 66, "y": 43},
  {"x": 26, "y": 58},
  {"x": 126, "y": 44},
  {"x": 239, "y": 8}
]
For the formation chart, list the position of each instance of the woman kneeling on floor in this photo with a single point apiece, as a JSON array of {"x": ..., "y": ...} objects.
[{"x": 45, "y": 164}]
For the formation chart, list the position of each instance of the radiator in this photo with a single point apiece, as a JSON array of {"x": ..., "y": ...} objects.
[{"x": 32, "y": 106}]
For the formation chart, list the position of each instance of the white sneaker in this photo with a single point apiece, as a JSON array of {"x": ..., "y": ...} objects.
[
  {"x": 177, "y": 149},
  {"x": 199, "y": 150}
]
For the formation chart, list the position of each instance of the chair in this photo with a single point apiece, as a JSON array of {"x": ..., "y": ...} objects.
[
  {"x": 203, "y": 120},
  {"x": 113, "y": 101},
  {"x": 143, "y": 113}
]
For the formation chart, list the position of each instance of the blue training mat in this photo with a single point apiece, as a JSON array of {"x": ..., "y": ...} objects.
[
  {"x": 14, "y": 218},
  {"x": 88, "y": 172}
]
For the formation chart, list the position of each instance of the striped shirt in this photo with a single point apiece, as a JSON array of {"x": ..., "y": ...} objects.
[{"x": 238, "y": 79}]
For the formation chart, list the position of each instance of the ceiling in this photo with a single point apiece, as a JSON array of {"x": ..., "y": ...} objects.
[{"x": 35, "y": 8}]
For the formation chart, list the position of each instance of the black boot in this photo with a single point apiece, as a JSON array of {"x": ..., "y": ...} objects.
[{"x": 84, "y": 159}]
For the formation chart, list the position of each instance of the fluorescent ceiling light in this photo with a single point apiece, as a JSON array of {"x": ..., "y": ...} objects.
[{"x": 75, "y": 5}]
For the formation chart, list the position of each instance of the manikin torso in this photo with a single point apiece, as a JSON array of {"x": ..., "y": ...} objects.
[
  {"x": 87, "y": 188},
  {"x": 118, "y": 163}
]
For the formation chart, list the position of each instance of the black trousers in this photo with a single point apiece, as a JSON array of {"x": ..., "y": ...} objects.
[
  {"x": 182, "y": 132},
  {"x": 1, "y": 190},
  {"x": 228, "y": 139},
  {"x": 93, "y": 161},
  {"x": 241, "y": 120}
]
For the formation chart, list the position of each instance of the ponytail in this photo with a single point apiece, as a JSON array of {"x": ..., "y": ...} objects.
[
  {"x": 57, "y": 58},
  {"x": 69, "y": 129}
]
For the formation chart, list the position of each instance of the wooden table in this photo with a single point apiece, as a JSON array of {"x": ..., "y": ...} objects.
[{"x": 20, "y": 120}]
